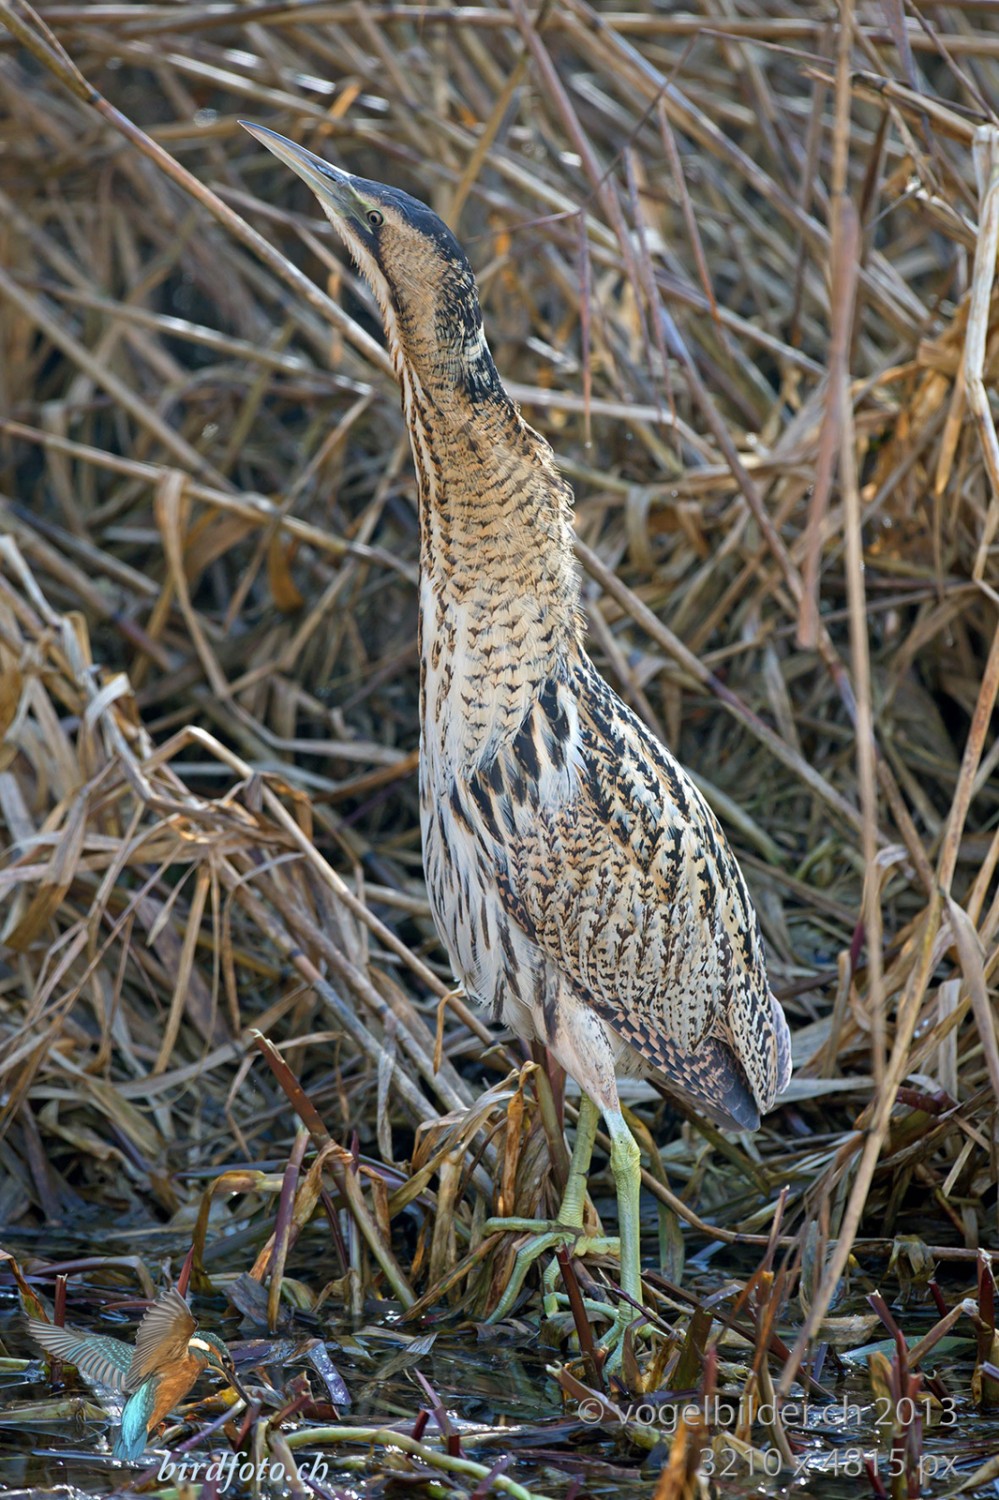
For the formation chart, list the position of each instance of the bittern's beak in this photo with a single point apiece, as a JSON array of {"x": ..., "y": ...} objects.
[{"x": 331, "y": 185}]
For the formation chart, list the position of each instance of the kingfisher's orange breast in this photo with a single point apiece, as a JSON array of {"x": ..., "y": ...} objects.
[{"x": 171, "y": 1387}]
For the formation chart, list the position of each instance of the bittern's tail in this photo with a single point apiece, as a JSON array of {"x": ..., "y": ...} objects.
[{"x": 709, "y": 1081}]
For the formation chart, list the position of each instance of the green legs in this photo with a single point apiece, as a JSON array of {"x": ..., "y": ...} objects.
[
  {"x": 625, "y": 1160},
  {"x": 567, "y": 1229},
  {"x": 571, "y": 1211},
  {"x": 626, "y": 1167}
]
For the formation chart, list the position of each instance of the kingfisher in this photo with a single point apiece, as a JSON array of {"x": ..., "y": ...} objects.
[
  {"x": 170, "y": 1353},
  {"x": 581, "y": 884}
]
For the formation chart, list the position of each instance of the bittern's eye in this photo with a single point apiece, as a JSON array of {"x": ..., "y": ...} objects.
[{"x": 375, "y": 218}]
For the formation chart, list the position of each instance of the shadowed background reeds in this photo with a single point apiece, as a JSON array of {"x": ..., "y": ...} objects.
[{"x": 738, "y": 267}]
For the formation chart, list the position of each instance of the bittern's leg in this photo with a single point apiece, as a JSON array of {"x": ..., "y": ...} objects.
[
  {"x": 587, "y": 1049},
  {"x": 626, "y": 1167},
  {"x": 571, "y": 1211},
  {"x": 566, "y": 1230}
]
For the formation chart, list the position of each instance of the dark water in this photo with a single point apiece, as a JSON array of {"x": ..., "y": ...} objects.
[{"x": 500, "y": 1402}]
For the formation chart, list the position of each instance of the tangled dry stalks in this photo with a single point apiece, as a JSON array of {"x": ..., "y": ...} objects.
[{"x": 739, "y": 267}]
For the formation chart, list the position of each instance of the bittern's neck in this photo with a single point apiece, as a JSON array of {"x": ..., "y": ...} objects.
[
  {"x": 495, "y": 515},
  {"x": 499, "y": 593}
]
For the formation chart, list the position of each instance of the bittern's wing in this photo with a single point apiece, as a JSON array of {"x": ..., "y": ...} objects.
[
  {"x": 95, "y": 1355},
  {"x": 162, "y": 1339},
  {"x": 612, "y": 861}
]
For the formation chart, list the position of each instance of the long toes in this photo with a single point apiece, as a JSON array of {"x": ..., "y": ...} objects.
[
  {"x": 624, "y": 1318},
  {"x": 526, "y": 1256}
]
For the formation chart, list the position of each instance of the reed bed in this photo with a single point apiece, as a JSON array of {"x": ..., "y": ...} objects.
[{"x": 738, "y": 266}]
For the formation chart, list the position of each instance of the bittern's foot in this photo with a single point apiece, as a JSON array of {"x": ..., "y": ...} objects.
[
  {"x": 614, "y": 1342},
  {"x": 545, "y": 1235},
  {"x": 619, "y": 1318}
]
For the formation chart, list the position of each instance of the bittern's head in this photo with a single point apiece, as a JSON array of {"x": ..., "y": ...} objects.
[{"x": 418, "y": 272}]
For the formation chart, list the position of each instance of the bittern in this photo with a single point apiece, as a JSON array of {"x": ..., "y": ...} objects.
[
  {"x": 169, "y": 1354},
  {"x": 580, "y": 883}
]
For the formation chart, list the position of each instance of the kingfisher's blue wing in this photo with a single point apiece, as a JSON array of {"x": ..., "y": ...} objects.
[{"x": 95, "y": 1355}]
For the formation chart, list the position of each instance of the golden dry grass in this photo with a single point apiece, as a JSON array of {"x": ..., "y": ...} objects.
[{"x": 739, "y": 269}]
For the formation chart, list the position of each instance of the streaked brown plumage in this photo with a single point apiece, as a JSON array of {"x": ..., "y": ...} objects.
[{"x": 579, "y": 881}]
